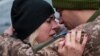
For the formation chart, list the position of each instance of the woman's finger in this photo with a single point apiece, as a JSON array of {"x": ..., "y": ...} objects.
[
  {"x": 73, "y": 36},
  {"x": 67, "y": 38},
  {"x": 61, "y": 44},
  {"x": 9, "y": 31},
  {"x": 78, "y": 36},
  {"x": 85, "y": 38}
]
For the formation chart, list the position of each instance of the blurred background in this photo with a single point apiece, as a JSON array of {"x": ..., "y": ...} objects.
[{"x": 5, "y": 9}]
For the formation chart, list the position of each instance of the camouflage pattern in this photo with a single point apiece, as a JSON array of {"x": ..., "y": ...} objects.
[
  {"x": 93, "y": 30},
  {"x": 10, "y": 46}
]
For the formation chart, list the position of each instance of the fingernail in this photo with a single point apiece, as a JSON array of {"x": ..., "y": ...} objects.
[{"x": 61, "y": 42}]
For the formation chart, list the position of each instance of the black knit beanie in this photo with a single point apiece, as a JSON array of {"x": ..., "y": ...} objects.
[{"x": 28, "y": 15}]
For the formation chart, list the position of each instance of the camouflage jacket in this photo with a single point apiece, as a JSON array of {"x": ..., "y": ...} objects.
[
  {"x": 93, "y": 30},
  {"x": 14, "y": 47},
  {"x": 10, "y": 46}
]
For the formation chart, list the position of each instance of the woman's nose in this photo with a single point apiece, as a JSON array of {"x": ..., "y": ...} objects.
[{"x": 55, "y": 26}]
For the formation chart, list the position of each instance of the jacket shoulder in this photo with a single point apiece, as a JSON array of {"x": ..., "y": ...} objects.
[
  {"x": 93, "y": 31},
  {"x": 10, "y": 46}
]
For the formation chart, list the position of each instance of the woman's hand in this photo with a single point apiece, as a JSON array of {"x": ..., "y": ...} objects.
[
  {"x": 73, "y": 45},
  {"x": 9, "y": 31}
]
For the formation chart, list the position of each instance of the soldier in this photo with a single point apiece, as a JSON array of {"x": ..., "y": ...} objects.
[
  {"x": 76, "y": 12},
  {"x": 33, "y": 22}
]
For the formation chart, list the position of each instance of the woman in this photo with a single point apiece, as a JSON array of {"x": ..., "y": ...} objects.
[
  {"x": 33, "y": 22},
  {"x": 29, "y": 20}
]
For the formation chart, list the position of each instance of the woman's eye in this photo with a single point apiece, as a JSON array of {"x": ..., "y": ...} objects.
[{"x": 48, "y": 21}]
